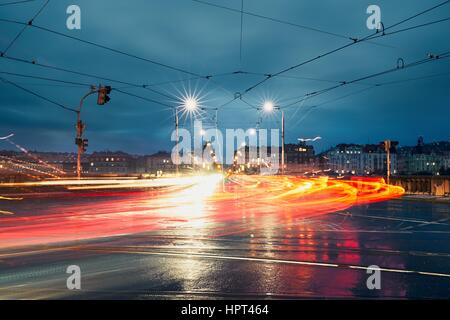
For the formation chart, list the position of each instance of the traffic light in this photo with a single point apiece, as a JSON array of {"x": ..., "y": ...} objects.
[
  {"x": 78, "y": 141},
  {"x": 82, "y": 143},
  {"x": 103, "y": 93},
  {"x": 388, "y": 145},
  {"x": 85, "y": 144}
]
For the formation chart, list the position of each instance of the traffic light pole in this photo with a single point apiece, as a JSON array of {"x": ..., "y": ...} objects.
[{"x": 80, "y": 129}]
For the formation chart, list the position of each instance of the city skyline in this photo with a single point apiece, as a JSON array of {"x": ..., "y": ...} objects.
[{"x": 12, "y": 147}]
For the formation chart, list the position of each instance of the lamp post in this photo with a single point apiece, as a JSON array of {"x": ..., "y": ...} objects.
[
  {"x": 190, "y": 104},
  {"x": 269, "y": 107},
  {"x": 177, "y": 139}
]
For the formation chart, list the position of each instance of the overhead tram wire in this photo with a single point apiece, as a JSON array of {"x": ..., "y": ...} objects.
[
  {"x": 354, "y": 42},
  {"x": 376, "y": 35},
  {"x": 15, "y": 2},
  {"x": 391, "y": 70},
  {"x": 32, "y": 62},
  {"x": 353, "y": 93},
  {"x": 412, "y": 79},
  {"x": 303, "y": 78},
  {"x": 127, "y": 83},
  {"x": 30, "y": 22},
  {"x": 344, "y": 83},
  {"x": 38, "y": 95},
  {"x": 208, "y": 77},
  {"x": 142, "y": 98},
  {"x": 272, "y": 19},
  {"x": 419, "y": 14},
  {"x": 91, "y": 43},
  {"x": 45, "y": 78},
  {"x": 130, "y": 84},
  {"x": 413, "y": 27},
  {"x": 80, "y": 84},
  {"x": 381, "y": 84}
]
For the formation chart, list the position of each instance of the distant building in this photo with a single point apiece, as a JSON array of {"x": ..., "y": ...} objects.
[
  {"x": 299, "y": 158},
  {"x": 110, "y": 163},
  {"x": 300, "y": 153},
  {"x": 160, "y": 161},
  {"x": 425, "y": 159},
  {"x": 357, "y": 159}
]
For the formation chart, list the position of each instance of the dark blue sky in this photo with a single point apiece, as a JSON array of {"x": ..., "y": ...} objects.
[{"x": 205, "y": 40}]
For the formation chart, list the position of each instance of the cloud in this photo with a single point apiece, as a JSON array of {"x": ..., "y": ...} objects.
[{"x": 205, "y": 40}]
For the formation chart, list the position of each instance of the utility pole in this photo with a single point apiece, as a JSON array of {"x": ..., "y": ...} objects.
[
  {"x": 177, "y": 138},
  {"x": 387, "y": 145},
  {"x": 282, "y": 142},
  {"x": 79, "y": 142}
]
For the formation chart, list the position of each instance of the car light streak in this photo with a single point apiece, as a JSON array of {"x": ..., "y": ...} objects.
[{"x": 186, "y": 202}]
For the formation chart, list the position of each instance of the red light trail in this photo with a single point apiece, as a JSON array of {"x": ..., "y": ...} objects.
[{"x": 182, "y": 202}]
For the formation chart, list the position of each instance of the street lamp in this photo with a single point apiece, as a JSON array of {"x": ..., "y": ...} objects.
[
  {"x": 190, "y": 104},
  {"x": 268, "y": 107}
]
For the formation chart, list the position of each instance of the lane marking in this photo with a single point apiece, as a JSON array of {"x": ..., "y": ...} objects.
[{"x": 267, "y": 260}]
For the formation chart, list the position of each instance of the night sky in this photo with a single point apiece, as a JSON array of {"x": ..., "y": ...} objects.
[{"x": 205, "y": 40}]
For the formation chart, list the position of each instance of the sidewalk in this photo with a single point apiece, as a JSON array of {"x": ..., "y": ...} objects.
[{"x": 426, "y": 197}]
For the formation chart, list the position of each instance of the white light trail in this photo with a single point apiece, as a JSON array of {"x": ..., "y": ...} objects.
[
  {"x": 308, "y": 139},
  {"x": 7, "y": 137}
]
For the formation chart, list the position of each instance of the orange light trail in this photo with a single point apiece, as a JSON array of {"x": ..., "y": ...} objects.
[
  {"x": 190, "y": 202},
  {"x": 40, "y": 161},
  {"x": 25, "y": 166}
]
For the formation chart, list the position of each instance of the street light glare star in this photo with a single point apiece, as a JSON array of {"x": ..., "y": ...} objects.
[
  {"x": 190, "y": 103},
  {"x": 268, "y": 106}
]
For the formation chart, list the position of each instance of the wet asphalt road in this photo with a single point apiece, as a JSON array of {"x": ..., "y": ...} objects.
[{"x": 318, "y": 257}]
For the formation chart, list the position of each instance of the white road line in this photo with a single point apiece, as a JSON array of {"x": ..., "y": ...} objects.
[{"x": 268, "y": 260}]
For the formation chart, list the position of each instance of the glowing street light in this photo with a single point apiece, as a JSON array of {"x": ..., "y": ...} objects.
[
  {"x": 190, "y": 103},
  {"x": 268, "y": 106}
]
